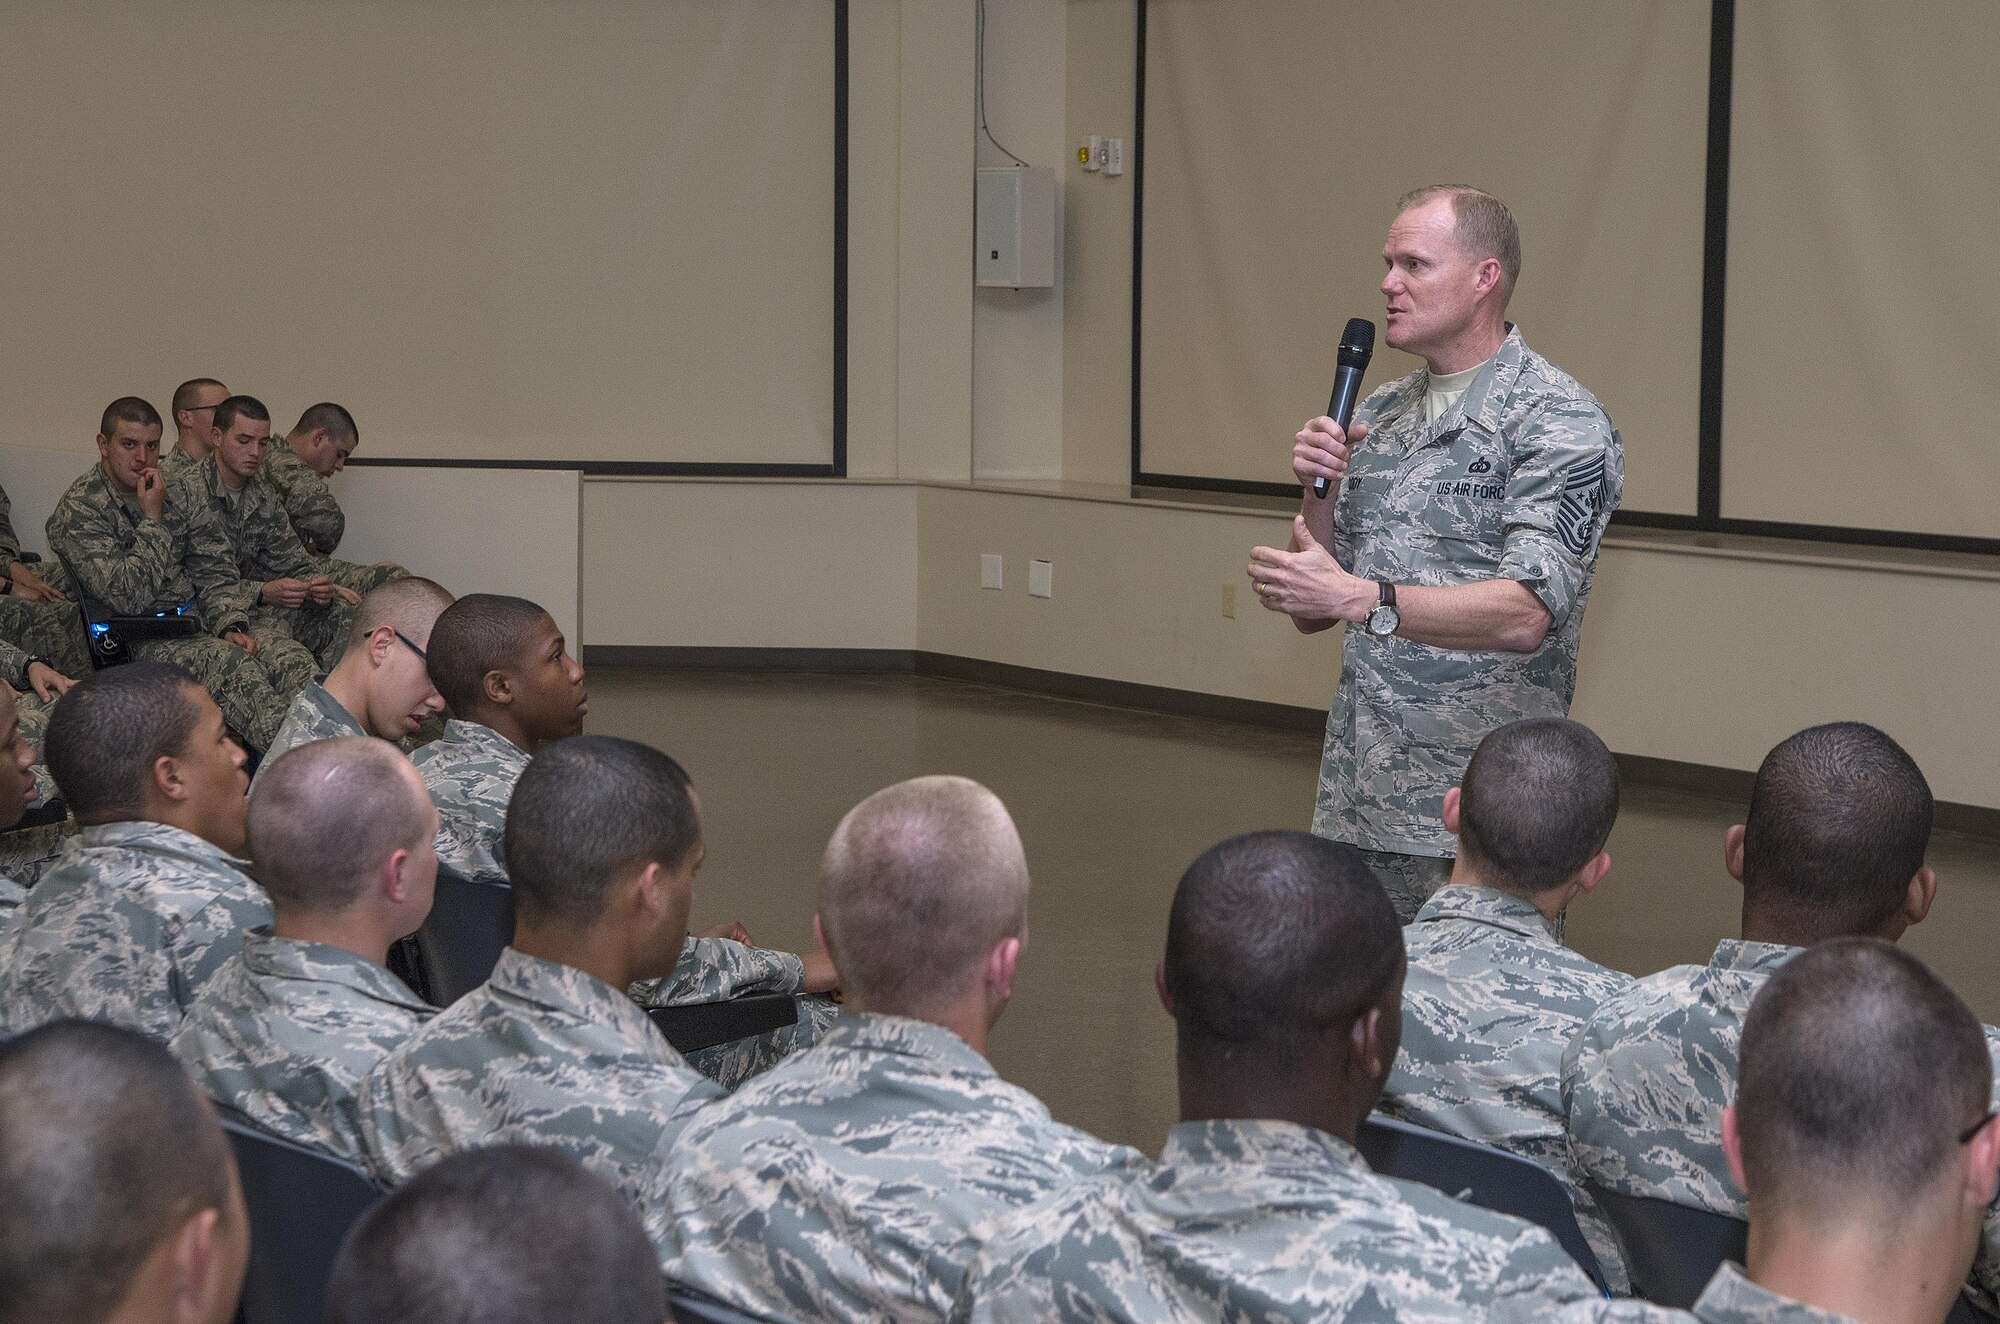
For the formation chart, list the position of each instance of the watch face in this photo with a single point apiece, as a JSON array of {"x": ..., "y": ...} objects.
[{"x": 1383, "y": 620}]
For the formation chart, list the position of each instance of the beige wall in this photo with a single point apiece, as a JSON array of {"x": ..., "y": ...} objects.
[{"x": 1687, "y": 655}]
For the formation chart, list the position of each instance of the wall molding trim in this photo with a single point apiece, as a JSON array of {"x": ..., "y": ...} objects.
[{"x": 1670, "y": 774}]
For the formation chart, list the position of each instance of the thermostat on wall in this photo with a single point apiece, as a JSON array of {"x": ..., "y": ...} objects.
[{"x": 1014, "y": 226}]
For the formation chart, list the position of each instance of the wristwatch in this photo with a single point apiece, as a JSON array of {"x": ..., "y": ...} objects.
[{"x": 1383, "y": 618}]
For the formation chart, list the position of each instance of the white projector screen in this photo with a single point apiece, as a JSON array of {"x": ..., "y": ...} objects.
[
  {"x": 1279, "y": 135},
  {"x": 1862, "y": 368},
  {"x": 593, "y": 230}
]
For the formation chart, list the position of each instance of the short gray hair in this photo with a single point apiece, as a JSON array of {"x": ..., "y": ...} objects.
[
  {"x": 324, "y": 817},
  {"x": 1484, "y": 227},
  {"x": 919, "y": 881}
]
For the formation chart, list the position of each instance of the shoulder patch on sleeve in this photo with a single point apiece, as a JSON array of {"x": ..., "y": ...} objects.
[{"x": 1582, "y": 502}]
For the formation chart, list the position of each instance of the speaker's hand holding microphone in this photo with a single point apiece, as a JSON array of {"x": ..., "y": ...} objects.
[{"x": 1319, "y": 459}]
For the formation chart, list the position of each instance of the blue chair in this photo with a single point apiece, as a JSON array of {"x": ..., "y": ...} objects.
[
  {"x": 1478, "y": 1174},
  {"x": 301, "y": 1204},
  {"x": 1672, "y": 1250}
]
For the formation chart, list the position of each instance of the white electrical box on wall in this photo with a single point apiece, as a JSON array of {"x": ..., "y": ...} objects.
[{"x": 1014, "y": 225}]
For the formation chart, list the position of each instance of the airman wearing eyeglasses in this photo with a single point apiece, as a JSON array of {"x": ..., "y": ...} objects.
[
  {"x": 194, "y": 422},
  {"x": 381, "y": 686}
]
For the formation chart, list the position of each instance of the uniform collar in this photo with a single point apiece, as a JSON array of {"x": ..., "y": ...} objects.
[
  {"x": 1731, "y": 1298},
  {"x": 483, "y": 740},
  {"x": 568, "y": 991},
  {"x": 904, "y": 1036},
  {"x": 1484, "y": 400},
  {"x": 1489, "y": 906},
  {"x": 1261, "y": 1143},
  {"x": 1750, "y": 958},
  {"x": 292, "y": 958},
  {"x": 160, "y": 839},
  {"x": 330, "y": 708}
]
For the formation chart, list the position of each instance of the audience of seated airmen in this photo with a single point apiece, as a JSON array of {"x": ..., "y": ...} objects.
[
  {"x": 605, "y": 838},
  {"x": 284, "y": 1033},
  {"x": 135, "y": 543},
  {"x": 1284, "y": 975},
  {"x": 194, "y": 404},
  {"x": 18, "y": 790},
  {"x": 852, "y": 1182},
  {"x": 509, "y": 1234},
  {"x": 501, "y": 665},
  {"x": 1840, "y": 817},
  {"x": 1493, "y": 996},
  {"x": 298, "y": 615},
  {"x": 381, "y": 686},
  {"x": 122, "y": 1202},
  {"x": 1863, "y": 1135},
  {"x": 144, "y": 906}
]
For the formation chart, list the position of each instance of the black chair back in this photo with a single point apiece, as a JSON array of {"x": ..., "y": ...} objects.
[
  {"x": 458, "y": 946},
  {"x": 301, "y": 1204},
  {"x": 691, "y": 1307},
  {"x": 1478, "y": 1174},
  {"x": 697, "y": 1025},
  {"x": 1671, "y": 1250}
]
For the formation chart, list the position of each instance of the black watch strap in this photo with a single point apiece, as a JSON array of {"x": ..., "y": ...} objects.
[{"x": 1388, "y": 598}]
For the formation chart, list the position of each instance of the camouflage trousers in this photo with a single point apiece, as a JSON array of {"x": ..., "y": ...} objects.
[
  {"x": 1408, "y": 879},
  {"x": 730, "y": 1064},
  {"x": 363, "y": 579},
  {"x": 241, "y": 685},
  {"x": 52, "y": 631},
  {"x": 319, "y": 632}
]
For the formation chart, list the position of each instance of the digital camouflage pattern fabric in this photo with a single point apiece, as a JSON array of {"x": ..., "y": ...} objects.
[
  {"x": 296, "y": 643},
  {"x": 1645, "y": 1082},
  {"x": 1515, "y": 481},
  {"x": 853, "y": 1181},
  {"x": 52, "y": 631},
  {"x": 285, "y": 1032},
  {"x": 136, "y": 566},
  {"x": 471, "y": 773},
  {"x": 1490, "y": 1001},
  {"x": 308, "y": 502},
  {"x": 314, "y": 715},
  {"x": 128, "y": 927},
  {"x": 12, "y": 894},
  {"x": 540, "y": 1054},
  {"x": 1729, "y": 1298},
  {"x": 1262, "y": 1220}
]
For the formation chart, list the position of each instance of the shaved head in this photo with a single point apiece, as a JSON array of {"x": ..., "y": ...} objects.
[
  {"x": 324, "y": 817},
  {"x": 1860, "y": 1069},
  {"x": 105, "y": 1147},
  {"x": 919, "y": 882},
  {"x": 410, "y": 605}
]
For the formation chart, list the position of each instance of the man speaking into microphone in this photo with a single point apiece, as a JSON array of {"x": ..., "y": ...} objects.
[{"x": 1458, "y": 539}]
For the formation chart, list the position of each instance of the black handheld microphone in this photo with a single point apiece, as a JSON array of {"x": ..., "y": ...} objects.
[{"x": 1357, "y": 346}]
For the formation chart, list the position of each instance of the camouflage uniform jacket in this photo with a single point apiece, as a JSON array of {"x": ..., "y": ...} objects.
[
  {"x": 853, "y": 1181},
  {"x": 134, "y": 565},
  {"x": 540, "y": 1053},
  {"x": 253, "y": 519},
  {"x": 12, "y": 894},
  {"x": 471, "y": 771},
  {"x": 1262, "y": 1220},
  {"x": 128, "y": 927},
  {"x": 284, "y": 1034},
  {"x": 1645, "y": 1081},
  {"x": 1515, "y": 481},
  {"x": 1729, "y": 1298},
  {"x": 176, "y": 465},
  {"x": 314, "y": 715},
  {"x": 307, "y": 499},
  {"x": 1491, "y": 1000}
]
